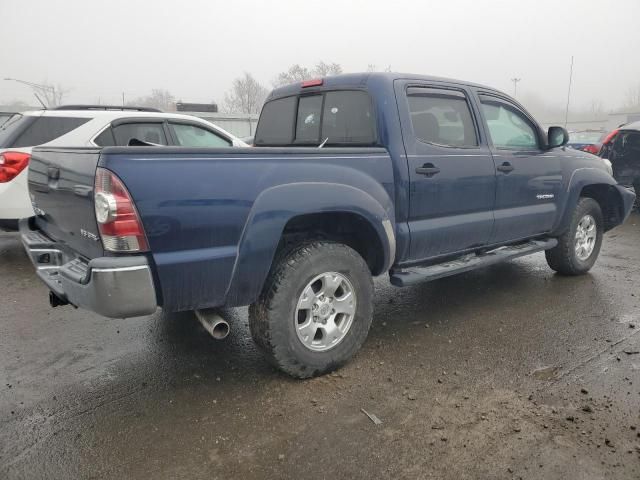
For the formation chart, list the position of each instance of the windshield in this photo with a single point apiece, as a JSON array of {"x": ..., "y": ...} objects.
[{"x": 585, "y": 137}]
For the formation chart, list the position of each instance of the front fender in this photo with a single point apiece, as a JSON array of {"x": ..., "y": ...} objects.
[
  {"x": 581, "y": 178},
  {"x": 277, "y": 205}
]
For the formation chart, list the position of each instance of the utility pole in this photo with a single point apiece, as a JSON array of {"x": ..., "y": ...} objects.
[
  {"x": 47, "y": 91},
  {"x": 566, "y": 112},
  {"x": 515, "y": 85},
  {"x": 123, "y": 99}
]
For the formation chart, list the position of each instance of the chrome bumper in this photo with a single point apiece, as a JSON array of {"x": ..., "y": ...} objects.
[{"x": 116, "y": 287}]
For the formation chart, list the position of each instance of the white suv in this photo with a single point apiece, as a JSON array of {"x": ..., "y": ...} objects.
[{"x": 90, "y": 126}]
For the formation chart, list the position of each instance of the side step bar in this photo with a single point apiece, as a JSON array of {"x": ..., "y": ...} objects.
[{"x": 412, "y": 275}]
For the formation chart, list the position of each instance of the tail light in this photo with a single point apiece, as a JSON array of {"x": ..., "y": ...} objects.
[
  {"x": 11, "y": 164},
  {"x": 592, "y": 149},
  {"x": 609, "y": 138},
  {"x": 312, "y": 83},
  {"x": 118, "y": 220}
]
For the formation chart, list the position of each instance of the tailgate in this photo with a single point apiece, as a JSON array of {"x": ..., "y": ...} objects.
[{"x": 61, "y": 190}]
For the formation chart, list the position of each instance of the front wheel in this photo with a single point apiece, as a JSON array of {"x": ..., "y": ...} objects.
[
  {"x": 315, "y": 309},
  {"x": 579, "y": 246}
]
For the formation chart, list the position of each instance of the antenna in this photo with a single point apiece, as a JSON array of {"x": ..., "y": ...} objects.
[
  {"x": 41, "y": 102},
  {"x": 566, "y": 112}
]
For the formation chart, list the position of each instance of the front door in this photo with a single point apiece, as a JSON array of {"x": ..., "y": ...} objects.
[
  {"x": 451, "y": 171},
  {"x": 529, "y": 177}
]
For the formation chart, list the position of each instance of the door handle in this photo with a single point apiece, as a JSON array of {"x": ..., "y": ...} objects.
[
  {"x": 428, "y": 169},
  {"x": 506, "y": 167}
]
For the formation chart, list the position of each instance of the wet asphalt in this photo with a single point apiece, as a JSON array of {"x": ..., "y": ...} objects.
[{"x": 506, "y": 372}]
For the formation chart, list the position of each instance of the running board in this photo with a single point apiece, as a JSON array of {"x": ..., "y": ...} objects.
[{"x": 412, "y": 275}]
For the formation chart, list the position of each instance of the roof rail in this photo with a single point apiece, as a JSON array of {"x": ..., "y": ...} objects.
[{"x": 106, "y": 107}]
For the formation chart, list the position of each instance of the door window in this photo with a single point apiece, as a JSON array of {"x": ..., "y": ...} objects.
[
  {"x": 193, "y": 136},
  {"x": 508, "y": 127},
  {"x": 146, "y": 132},
  {"x": 441, "y": 117}
]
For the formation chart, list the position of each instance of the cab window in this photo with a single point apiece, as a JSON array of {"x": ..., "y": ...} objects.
[
  {"x": 508, "y": 127},
  {"x": 441, "y": 117}
]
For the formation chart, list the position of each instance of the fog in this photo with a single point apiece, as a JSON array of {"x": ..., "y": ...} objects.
[{"x": 195, "y": 48}]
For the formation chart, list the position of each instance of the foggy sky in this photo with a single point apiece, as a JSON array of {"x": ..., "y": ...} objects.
[{"x": 195, "y": 48}]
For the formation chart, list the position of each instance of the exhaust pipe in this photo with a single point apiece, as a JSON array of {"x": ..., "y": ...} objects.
[{"x": 213, "y": 323}]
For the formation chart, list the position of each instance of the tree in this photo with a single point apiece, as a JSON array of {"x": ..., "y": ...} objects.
[
  {"x": 596, "y": 108},
  {"x": 632, "y": 97},
  {"x": 325, "y": 69},
  {"x": 298, "y": 73},
  {"x": 246, "y": 95},
  {"x": 159, "y": 98},
  {"x": 372, "y": 67},
  {"x": 53, "y": 94}
]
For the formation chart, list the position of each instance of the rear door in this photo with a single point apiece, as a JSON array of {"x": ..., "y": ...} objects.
[
  {"x": 451, "y": 171},
  {"x": 529, "y": 177}
]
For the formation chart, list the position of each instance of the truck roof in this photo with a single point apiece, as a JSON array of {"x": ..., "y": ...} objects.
[{"x": 362, "y": 79}]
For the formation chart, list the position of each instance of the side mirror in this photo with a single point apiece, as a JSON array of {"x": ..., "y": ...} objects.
[{"x": 557, "y": 137}]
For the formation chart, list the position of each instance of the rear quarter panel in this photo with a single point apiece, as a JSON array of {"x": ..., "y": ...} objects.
[{"x": 197, "y": 207}]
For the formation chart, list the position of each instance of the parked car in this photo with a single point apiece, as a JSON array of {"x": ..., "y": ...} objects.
[
  {"x": 622, "y": 148},
  {"x": 418, "y": 177},
  {"x": 89, "y": 126},
  {"x": 587, "y": 140}
]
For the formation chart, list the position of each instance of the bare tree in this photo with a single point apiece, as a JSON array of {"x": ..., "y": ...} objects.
[
  {"x": 246, "y": 95},
  {"x": 159, "y": 98},
  {"x": 325, "y": 69},
  {"x": 299, "y": 73},
  {"x": 596, "y": 108},
  {"x": 296, "y": 73},
  {"x": 372, "y": 67},
  {"x": 54, "y": 95},
  {"x": 632, "y": 97}
]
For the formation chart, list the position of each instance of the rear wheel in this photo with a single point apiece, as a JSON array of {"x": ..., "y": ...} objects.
[
  {"x": 315, "y": 309},
  {"x": 579, "y": 246}
]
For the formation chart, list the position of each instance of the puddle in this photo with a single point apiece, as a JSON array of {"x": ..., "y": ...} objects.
[{"x": 546, "y": 373}]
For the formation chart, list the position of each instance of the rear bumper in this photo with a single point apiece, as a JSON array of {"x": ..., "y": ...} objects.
[{"x": 116, "y": 287}]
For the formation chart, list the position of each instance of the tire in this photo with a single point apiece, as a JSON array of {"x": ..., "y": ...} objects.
[
  {"x": 565, "y": 258},
  {"x": 277, "y": 320}
]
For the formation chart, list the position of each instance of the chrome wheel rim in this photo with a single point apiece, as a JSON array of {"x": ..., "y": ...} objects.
[
  {"x": 325, "y": 311},
  {"x": 586, "y": 234}
]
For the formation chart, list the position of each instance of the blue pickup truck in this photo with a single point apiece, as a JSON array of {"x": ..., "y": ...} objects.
[{"x": 351, "y": 177}]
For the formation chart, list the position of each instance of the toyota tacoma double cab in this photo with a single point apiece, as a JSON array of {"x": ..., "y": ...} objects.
[{"x": 351, "y": 177}]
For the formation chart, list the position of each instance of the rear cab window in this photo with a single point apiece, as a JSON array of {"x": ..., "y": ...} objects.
[
  {"x": 30, "y": 131},
  {"x": 332, "y": 118}
]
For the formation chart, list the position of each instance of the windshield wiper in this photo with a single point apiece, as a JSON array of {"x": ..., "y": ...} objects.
[{"x": 322, "y": 144}]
